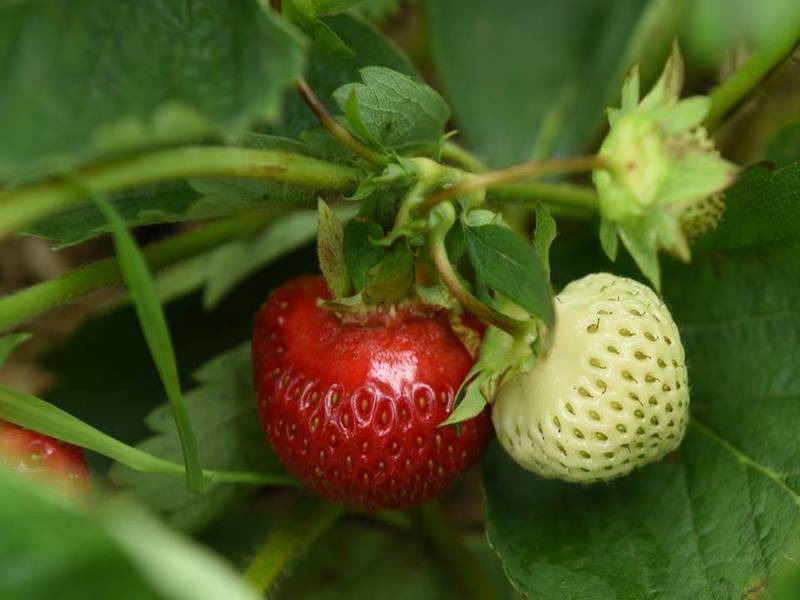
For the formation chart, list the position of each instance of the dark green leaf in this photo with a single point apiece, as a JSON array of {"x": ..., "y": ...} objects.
[
  {"x": 511, "y": 266},
  {"x": 9, "y": 342},
  {"x": 325, "y": 72},
  {"x": 397, "y": 110},
  {"x": 304, "y": 13},
  {"x": 784, "y": 148},
  {"x": 85, "y": 78},
  {"x": 390, "y": 280},
  {"x": 52, "y": 549},
  {"x": 728, "y": 503},
  {"x": 360, "y": 254},
  {"x": 330, "y": 249},
  {"x": 154, "y": 327},
  {"x": 544, "y": 235},
  {"x": 562, "y": 61},
  {"x": 223, "y": 412}
]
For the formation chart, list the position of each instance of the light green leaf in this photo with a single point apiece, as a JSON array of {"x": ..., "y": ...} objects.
[
  {"x": 641, "y": 240},
  {"x": 609, "y": 240},
  {"x": 544, "y": 235},
  {"x": 35, "y": 414},
  {"x": 156, "y": 332},
  {"x": 720, "y": 518},
  {"x": 330, "y": 249},
  {"x": 397, "y": 110},
  {"x": 510, "y": 265},
  {"x": 87, "y": 78},
  {"x": 231, "y": 264},
  {"x": 9, "y": 342}
]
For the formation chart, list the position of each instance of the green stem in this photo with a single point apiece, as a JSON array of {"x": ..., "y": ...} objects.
[
  {"x": 454, "y": 153},
  {"x": 525, "y": 170},
  {"x": 24, "y": 205},
  {"x": 757, "y": 66},
  {"x": 462, "y": 564},
  {"x": 32, "y": 301},
  {"x": 451, "y": 280},
  {"x": 562, "y": 198},
  {"x": 307, "y": 521}
]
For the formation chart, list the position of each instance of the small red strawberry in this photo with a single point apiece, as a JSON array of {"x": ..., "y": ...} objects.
[
  {"x": 352, "y": 404},
  {"x": 44, "y": 458}
]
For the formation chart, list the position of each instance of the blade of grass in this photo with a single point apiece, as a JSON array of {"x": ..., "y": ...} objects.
[
  {"x": 38, "y": 415},
  {"x": 156, "y": 332}
]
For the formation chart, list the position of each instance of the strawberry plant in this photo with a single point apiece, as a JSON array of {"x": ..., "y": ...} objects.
[{"x": 399, "y": 299}]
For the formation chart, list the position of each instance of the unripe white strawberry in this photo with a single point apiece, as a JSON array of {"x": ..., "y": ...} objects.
[
  {"x": 699, "y": 218},
  {"x": 612, "y": 393}
]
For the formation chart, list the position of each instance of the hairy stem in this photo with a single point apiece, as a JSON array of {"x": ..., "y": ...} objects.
[
  {"x": 453, "y": 283},
  {"x": 466, "y": 571},
  {"x": 307, "y": 521},
  {"x": 760, "y": 63},
  {"x": 535, "y": 168},
  {"x": 24, "y": 205},
  {"x": 454, "y": 153},
  {"x": 336, "y": 129},
  {"x": 32, "y": 301},
  {"x": 563, "y": 198}
]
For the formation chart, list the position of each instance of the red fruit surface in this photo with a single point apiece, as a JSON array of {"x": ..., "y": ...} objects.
[
  {"x": 353, "y": 407},
  {"x": 43, "y": 457}
]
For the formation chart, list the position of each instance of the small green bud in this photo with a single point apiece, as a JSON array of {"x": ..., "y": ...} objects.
[{"x": 664, "y": 177}]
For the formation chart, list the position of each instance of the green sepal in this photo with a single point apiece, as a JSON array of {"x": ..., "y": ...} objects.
[{"x": 330, "y": 250}]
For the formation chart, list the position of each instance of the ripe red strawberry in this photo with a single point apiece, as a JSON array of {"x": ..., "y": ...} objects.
[
  {"x": 43, "y": 457},
  {"x": 352, "y": 405}
]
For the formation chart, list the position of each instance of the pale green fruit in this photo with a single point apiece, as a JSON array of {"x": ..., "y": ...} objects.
[{"x": 612, "y": 393}]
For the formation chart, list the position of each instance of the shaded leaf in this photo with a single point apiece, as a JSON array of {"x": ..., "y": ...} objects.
[
  {"x": 91, "y": 78},
  {"x": 9, "y": 342},
  {"x": 223, "y": 412},
  {"x": 360, "y": 254},
  {"x": 330, "y": 249}
]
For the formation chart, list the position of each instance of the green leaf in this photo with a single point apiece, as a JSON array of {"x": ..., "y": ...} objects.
[
  {"x": 728, "y": 503},
  {"x": 609, "y": 240},
  {"x": 112, "y": 551},
  {"x": 511, "y": 266},
  {"x": 397, "y": 110},
  {"x": 9, "y": 342},
  {"x": 232, "y": 263},
  {"x": 641, "y": 240},
  {"x": 784, "y": 147},
  {"x": 360, "y": 254},
  {"x": 303, "y": 13},
  {"x": 154, "y": 327},
  {"x": 390, "y": 280},
  {"x": 325, "y": 72},
  {"x": 35, "y": 414},
  {"x": 562, "y": 61},
  {"x": 223, "y": 412},
  {"x": 544, "y": 236},
  {"x": 330, "y": 249},
  {"x": 128, "y": 76},
  {"x": 378, "y": 11}
]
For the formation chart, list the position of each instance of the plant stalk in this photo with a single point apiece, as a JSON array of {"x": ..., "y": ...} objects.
[
  {"x": 25, "y": 304},
  {"x": 525, "y": 170},
  {"x": 22, "y": 206},
  {"x": 759, "y": 64},
  {"x": 308, "y": 520},
  {"x": 466, "y": 571}
]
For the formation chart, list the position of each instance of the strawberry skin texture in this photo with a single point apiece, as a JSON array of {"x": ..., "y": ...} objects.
[
  {"x": 353, "y": 407},
  {"x": 42, "y": 457}
]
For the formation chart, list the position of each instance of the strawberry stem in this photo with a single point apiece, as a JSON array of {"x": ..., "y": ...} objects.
[
  {"x": 452, "y": 281},
  {"x": 307, "y": 521},
  {"x": 535, "y": 168},
  {"x": 464, "y": 567}
]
